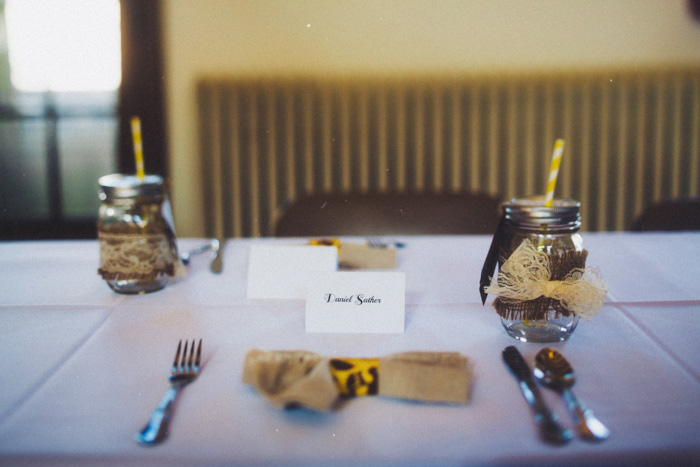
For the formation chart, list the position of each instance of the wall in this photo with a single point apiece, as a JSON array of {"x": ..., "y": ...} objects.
[{"x": 266, "y": 37}]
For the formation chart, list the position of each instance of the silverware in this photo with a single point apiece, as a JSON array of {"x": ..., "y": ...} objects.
[
  {"x": 374, "y": 242},
  {"x": 549, "y": 429},
  {"x": 555, "y": 372},
  {"x": 182, "y": 373},
  {"x": 187, "y": 256},
  {"x": 217, "y": 264}
]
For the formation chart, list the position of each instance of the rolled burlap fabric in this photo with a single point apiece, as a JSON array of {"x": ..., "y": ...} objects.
[{"x": 301, "y": 378}]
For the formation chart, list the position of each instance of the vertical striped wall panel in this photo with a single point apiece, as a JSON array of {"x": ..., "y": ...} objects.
[{"x": 631, "y": 139}]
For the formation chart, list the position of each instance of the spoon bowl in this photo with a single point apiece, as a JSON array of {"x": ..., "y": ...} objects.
[{"x": 555, "y": 372}]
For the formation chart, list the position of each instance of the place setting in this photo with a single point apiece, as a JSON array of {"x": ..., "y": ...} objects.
[{"x": 542, "y": 288}]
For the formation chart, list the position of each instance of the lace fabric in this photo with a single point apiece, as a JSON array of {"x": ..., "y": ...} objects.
[
  {"x": 132, "y": 256},
  {"x": 531, "y": 282}
]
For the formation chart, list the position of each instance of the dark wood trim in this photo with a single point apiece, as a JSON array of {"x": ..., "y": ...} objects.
[
  {"x": 142, "y": 89},
  {"x": 15, "y": 230}
]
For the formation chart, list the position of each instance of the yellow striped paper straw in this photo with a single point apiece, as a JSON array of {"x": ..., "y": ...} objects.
[
  {"x": 138, "y": 147},
  {"x": 553, "y": 172}
]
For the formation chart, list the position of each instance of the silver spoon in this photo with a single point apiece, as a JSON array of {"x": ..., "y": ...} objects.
[{"x": 555, "y": 372}]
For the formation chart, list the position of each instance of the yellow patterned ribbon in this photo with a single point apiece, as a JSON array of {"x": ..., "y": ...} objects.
[
  {"x": 325, "y": 242},
  {"x": 355, "y": 376},
  {"x": 525, "y": 276}
]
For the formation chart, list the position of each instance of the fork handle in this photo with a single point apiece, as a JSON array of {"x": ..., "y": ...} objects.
[{"x": 156, "y": 429}]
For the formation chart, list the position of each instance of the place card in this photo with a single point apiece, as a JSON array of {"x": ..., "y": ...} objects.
[
  {"x": 283, "y": 271},
  {"x": 356, "y": 302}
]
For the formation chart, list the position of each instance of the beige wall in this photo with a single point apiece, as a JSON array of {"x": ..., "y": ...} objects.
[{"x": 267, "y": 37}]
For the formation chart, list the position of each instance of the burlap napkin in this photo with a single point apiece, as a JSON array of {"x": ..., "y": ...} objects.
[
  {"x": 357, "y": 256},
  {"x": 301, "y": 378},
  {"x": 360, "y": 256}
]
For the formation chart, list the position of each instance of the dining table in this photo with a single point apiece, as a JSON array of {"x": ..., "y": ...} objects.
[{"x": 82, "y": 367}]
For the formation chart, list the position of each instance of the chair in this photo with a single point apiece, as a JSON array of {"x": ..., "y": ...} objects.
[
  {"x": 670, "y": 214},
  {"x": 364, "y": 214}
]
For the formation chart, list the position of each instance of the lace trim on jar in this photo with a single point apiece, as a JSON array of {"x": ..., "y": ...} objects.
[
  {"x": 558, "y": 266},
  {"x": 140, "y": 256}
]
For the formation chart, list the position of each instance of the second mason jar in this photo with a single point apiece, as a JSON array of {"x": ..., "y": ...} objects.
[{"x": 555, "y": 231}]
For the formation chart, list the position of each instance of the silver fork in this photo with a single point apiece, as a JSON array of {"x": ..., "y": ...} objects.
[
  {"x": 184, "y": 371},
  {"x": 374, "y": 242}
]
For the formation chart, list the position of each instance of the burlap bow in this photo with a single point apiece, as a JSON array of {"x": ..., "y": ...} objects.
[{"x": 525, "y": 276}]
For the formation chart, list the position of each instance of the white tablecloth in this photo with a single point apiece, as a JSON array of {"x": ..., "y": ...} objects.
[{"x": 82, "y": 367}]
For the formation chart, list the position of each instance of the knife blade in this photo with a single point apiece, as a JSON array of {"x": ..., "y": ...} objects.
[
  {"x": 550, "y": 430},
  {"x": 217, "y": 264}
]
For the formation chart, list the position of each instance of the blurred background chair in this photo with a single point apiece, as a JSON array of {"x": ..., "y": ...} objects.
[
  {"x": 670, "y": 214},
  {"x": 389, "y": 214}
]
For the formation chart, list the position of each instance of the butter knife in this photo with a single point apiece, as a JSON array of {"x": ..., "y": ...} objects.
[
  {"x": 217, "y": 264},
  {"x": 187, "y": 256},
  {"x": 549, "y": 429}
]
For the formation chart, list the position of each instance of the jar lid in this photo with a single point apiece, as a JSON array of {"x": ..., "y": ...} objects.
[
  {"x": 120, "y": 186},
  {"x": 532, "y": 213}
]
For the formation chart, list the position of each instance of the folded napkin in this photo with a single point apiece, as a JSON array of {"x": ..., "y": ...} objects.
[
  {"x": 301, "y": 378},
  {"x": 358, "y": 256}
]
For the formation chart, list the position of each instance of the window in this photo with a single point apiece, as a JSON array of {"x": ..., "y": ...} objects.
[
  {"x": 63, "y": 45},
  {"x": 59, "y": 80}
]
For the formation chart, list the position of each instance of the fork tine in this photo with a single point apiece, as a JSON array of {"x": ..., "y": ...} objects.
[
  {"x": 177, "y": 356},
  {"x": 199, "y": 357},
  {"x": 376, "y": 242},
  {"x": 189, "y": 361},
  {"x": 183, "y": 361}
]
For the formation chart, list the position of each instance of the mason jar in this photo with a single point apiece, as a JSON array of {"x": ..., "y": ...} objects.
[
  {"x": 137, "y": 243},
  {"x": 555, "y": 231}
]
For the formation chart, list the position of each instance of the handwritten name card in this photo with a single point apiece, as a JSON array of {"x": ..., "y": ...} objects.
[{"x": 356, "y": 302}]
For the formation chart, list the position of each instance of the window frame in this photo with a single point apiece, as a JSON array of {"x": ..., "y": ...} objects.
[{"x": 141, "y": 93}]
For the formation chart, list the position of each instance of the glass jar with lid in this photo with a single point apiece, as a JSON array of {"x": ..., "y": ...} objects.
[
  {"x": 555, "y": 231},
  {"x": 137, "y": 242}
]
